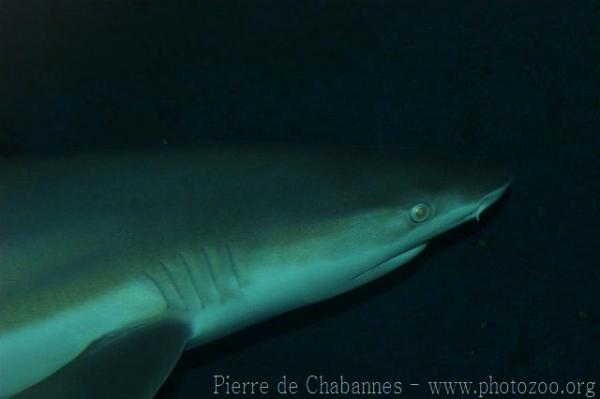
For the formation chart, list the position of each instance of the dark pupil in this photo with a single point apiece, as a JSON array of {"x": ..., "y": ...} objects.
[{"x": 420, "y": 212}]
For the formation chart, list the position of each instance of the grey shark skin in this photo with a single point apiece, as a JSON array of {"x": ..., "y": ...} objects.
[{"x": 112, "y": 264}]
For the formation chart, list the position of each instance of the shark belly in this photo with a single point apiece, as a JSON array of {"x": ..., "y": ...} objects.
[
  {"x": 271, "y": 290},
  {"x": 250, "y": 304}
]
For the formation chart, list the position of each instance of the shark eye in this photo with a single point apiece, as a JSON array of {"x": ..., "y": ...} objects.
[{"x": 420, "y": 212}]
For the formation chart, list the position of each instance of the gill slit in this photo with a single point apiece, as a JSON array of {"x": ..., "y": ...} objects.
[
  {"x": 234, "y": 267},
  {"x": 158, "y": 287},
  {"x": 211, "y": 273},
  {"x": 174, "y": 283},
  {"x": 188, "y": 269}
]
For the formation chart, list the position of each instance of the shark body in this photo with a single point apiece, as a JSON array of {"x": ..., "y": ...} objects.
[{"x": 112, "y": 264}]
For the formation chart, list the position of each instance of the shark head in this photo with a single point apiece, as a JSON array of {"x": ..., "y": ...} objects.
[
  {"x": 436, "y": 196},
  {"x": 378, "y": 210}
]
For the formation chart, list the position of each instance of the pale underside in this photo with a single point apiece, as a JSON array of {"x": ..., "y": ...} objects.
[{"x": 206, "y": 291}]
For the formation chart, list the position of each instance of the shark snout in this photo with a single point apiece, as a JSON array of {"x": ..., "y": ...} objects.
[{"x": 491, "y": 197}]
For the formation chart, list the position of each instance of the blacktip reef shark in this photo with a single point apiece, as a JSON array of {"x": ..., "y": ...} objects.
[{"x": 112, "y": 264}]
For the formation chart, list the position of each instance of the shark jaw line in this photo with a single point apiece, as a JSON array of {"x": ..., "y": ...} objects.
[{"x": 392, "y": 261}]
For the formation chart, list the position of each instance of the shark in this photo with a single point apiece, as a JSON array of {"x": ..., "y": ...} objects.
[{"x": 112, "y": 263}]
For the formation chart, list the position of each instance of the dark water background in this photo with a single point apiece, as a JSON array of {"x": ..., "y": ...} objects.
[{"x": 516, "y": 296}]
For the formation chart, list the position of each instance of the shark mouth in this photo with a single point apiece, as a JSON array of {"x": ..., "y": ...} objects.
[{"x": 393, "y": 261}]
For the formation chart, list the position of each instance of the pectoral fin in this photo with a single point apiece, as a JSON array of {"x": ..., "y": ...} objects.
[{"x": 131, "y": 363}]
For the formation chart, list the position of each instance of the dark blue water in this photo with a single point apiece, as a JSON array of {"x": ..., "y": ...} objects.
[{"x": 515, "y": 297}]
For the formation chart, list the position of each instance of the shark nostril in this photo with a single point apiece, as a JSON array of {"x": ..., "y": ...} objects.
[{"x": 489, "y": 199}]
